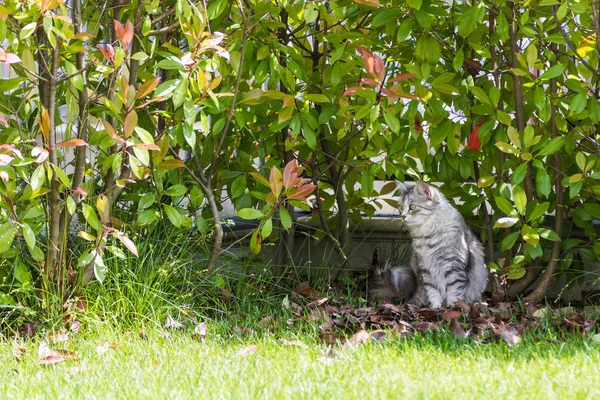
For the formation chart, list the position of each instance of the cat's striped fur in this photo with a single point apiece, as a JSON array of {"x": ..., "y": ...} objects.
[{"x": 447, "y": 261}]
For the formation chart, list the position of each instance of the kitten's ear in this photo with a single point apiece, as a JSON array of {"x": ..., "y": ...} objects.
[
  {"x": 424, "y": 189},
  {"x": 400, "y": 188}
]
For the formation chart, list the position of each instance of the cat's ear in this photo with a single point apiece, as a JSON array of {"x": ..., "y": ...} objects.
[
  {"x": 400, "y": 188},
  {"x": 424, "y": 189}
]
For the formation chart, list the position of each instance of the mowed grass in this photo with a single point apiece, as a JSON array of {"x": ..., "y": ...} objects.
[{"x": 179, "y": 366}]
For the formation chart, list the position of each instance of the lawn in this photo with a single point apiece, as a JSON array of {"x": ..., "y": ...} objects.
[{"x": 290, "y": 363}]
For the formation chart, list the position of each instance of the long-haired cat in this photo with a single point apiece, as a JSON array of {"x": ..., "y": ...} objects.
[{"x": 447, "y": 261}]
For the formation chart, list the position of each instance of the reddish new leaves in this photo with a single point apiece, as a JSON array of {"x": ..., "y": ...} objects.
[{"x": 474, "y": 142}]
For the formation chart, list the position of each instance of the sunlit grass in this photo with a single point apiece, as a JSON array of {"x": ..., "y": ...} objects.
[{"x": 176, "y": 365}]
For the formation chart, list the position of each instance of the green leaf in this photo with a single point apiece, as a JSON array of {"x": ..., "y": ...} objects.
[
  {"x": 530, "y": 235},
  {"x": 173, "y": 215},
  {"x": 578, "y": 103},
  {"x": 542, "y": 182},
  {"x": 548, "y": 234},
  {"x": 249, "y": 213},
  {"x": 92, "y": 218},
  {"x": 267, "y": 228},
  {"x": 516, "y": 273},
  {"x": 286, "y": 219},
  {"x": 147, "y": 217},
  {"x": 593, "y": 209},
  {"x": 22, "y": 273},
  {"x": 416, "y": 4},
  {"x": 553, "y": 146},
  {"x": 180, "y": 92},
  {"x": 238, "y": 186},
  {"x": 553, "y": 71},
  {"x": 146, "y": 201},
  {"x": 520, "y": 198},
  {"x": 580, "y": 160},
  {"x": 176, "y": 191},
  {"x": 538, "y": 211},
  {"x": 29, "y": 236},
  {"x": 7, "y": 235},
  {"x": 505, "y": 222},
  {"x": 317, "y": 98},
  {"x": 367, "y": 181},
  {"x": 509, "y": 241},
  {"x": 99, "y": 268},
  {"x": 470, "y": 19},
  {"x": 255, "y": 242},
  {"x": 505, "y": 206},
  {"x": 507, "y": 148},
  {"x": 481, "y": 95},
  {"x": 391, "y": 121}
]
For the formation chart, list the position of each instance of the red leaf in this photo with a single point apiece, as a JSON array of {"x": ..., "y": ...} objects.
[
  {"x": 128, "y": 36},
  {"x": 402, "y": 77},
  {"x": 3, "y": 121},
  {"x": 147, "y": 146},
  {"x": 12, "y": 149},
  {"x": 107, "y": 51},
  {"x": 119, "y": 29},
  {"x": 40, "y": 153},
  {"x": 146, "y": 88},
  {"x": 302, "y": 192},
  {"x": 368, "y": 81},
  {"x": 80, "y": 191},
  {"x": 72, "y": 143},
  {"x": 474, "y": 142},
  {"x": 9, "y": 58},
  {"x": 290, "y": 173},
  {"x": 373, "y": 63},
  {"x": 352, "y": 90},
  {"x": 392, "y": 96},
  {"x": 127, "y": 243}
]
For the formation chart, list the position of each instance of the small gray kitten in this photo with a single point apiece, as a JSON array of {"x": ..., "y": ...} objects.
[{"x": 447, "y": 261}]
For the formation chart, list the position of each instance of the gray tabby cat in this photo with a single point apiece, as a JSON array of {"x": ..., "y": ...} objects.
[{"x": 447, "y": 261}]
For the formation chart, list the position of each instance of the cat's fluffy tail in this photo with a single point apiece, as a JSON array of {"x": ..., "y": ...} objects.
[{"x": 394, "y": 282}]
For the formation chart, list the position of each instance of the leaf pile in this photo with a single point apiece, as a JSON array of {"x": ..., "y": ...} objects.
[{"x": 479, "y": 321}]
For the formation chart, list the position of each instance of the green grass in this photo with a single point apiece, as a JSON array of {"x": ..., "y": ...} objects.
[
  {"x": 168, "y": 279},
  {"x": 431, "y": 366}
]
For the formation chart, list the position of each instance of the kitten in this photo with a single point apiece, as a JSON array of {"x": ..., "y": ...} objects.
[{"x": 447, "y": 261}]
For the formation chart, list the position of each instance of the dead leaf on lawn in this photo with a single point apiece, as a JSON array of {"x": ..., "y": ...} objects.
[
  {"x": 246, "y": 351},
  {"x": 17, "y": 349},
  {"x": 464, "y": 307},
  {"x": 303, "y": 289},
  {"x": 510, "y": 338},
  {"x": 142, "y": 334},
  {"x": 359, "y": 337},
  {"x": 451, "y": 315},
  {"x": 173, "y": 324},
  {"x": 200, "y": 332},
  {"x": 596, "y": 339},
  {"x": 378, "y": 335},
  {"x": 104, "y": 347},
  {"x": 49, "y": 357},
  {"x": 59, "y": 337},
  {"x": 158, "y": 363},
  {"x": 457, "y": 329},
  {"x": 425, "y": 326},
  {"x": 75, "y": 326}
]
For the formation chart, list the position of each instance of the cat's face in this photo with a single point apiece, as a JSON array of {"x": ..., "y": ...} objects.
[{"x": 417, "y": 203}]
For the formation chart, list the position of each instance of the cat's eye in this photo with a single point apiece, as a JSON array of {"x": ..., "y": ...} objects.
[{"x": 412, "y": 207}]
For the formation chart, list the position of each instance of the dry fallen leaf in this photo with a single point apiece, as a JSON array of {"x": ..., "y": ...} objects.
[
  {"x": 425, "y": 326},
  {"x": 200, "y": 332},
  {"x": 173, "y": 324},
  {"x": 596, "y": 338},
  {"x": 158, "y": 363},
  {"x": 104, "y": 347},
  {"x": 59, "y": 337},
  {"x": 457, "y": 329},
  {"x": 510, "y": 338},
  {"x": 246, "y": 351},
  {"x": 75, "y": 326},
  {"x": 142, "y": 334},
  {"x": 451, "y": 315},
  {"x": 49, "y": 357},
  {"x": 359, "y": 337}
]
